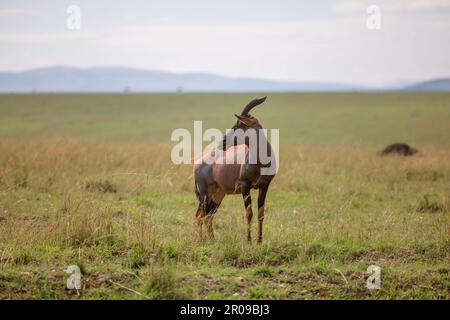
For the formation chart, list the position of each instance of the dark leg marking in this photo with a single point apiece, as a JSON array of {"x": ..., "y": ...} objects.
[
  {"x": 261, "y": 201},
  {"x": 248, "y": 208}
]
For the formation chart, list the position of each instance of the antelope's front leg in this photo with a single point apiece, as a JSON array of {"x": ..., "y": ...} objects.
[
  {"x": 248, "y": 208},
  {"x": 261, "y": 202}
]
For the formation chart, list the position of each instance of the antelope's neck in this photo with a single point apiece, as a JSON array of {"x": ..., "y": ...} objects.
[{"x": 264, "y": 151}]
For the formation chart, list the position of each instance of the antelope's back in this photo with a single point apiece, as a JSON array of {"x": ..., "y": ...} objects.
[{"x": 223, "y": 168}]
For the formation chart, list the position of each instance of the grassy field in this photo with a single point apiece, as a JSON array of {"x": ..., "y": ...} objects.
[{"x": 87, "y": 180}]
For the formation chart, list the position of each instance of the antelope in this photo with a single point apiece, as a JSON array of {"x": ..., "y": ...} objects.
[{"x": 216, "y": 176}]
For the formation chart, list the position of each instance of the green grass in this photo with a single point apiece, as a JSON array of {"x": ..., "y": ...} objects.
[
  {"x": 87, "y": 180},
  {"x": 335, "y": 118}
]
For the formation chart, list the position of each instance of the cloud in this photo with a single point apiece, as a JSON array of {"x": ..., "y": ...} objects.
[
  {"x": 19, "y": 12},
  {"x": 46, "y": 37},
  {"x": 393, "y": 6},
  {"x": 441, "y": 24},
  {"x": 336, "y": 48},
  {"x": 430, "y": 4}
]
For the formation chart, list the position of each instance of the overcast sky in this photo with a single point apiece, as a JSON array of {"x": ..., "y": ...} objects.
[{"x": 324, "y": 40}]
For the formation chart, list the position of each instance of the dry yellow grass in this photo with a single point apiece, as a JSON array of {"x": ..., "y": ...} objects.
[{"x": 116, "y": 208}]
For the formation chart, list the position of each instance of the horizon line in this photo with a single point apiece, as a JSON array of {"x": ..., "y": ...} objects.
[{"x": 383, "y": 86}]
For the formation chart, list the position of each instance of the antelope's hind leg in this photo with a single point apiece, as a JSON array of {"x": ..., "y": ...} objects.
[
  {"x": 209, "y": 226},
  {"x": 211, "y": 209},
  {"x": 199, "y": 222},
  {"x": 205, "y": 215}
]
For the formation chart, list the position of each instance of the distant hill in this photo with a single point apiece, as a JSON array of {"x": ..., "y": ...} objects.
[
  {"x": 117, "y": 79},
  {"x": 431, "y": 85}
]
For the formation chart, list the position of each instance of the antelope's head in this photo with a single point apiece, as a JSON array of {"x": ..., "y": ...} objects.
[{"x": 244, "y": 122}]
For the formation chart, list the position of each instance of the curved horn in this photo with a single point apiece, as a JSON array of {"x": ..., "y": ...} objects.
[{"x": 252, "y": 104}]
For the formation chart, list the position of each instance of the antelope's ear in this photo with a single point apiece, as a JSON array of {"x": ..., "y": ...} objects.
[{"x": 244, "y": 120}]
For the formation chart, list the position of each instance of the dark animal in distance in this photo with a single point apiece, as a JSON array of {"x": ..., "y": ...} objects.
[
  {"x": 215, "y": 180},
  {"x": 402, "y": 149}
]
